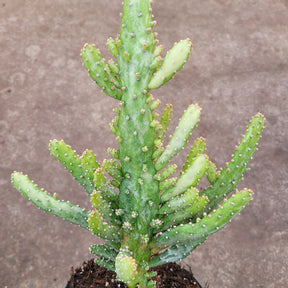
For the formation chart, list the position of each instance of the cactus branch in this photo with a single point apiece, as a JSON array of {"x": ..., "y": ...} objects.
[
  {"x": 112, "y": 46},
  {"x": 190, "y": 178},
  {"x": 96, "y": 67},
  {"x": 197, "y": 148},
  {"x": 233, "y": 172},
  {"x": 105, "y": 263},
  {"x": 208, "y": 225},
  {"x": 175, "y": 253},
  {"x": 181, "y": 208},
  {"x": 106, "y": 208},
  {"x": 102, "y": 229},
  {"x": 181, "y": 135},
  {"x": 82, "y": 168},
  {"x": 40, "y": 198},
  {"x": 173, "y": 62},
  {"x": 106, "y": 255}
]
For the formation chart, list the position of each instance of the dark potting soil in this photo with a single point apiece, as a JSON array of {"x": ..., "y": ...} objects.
[{"x": 90, "y": 275}]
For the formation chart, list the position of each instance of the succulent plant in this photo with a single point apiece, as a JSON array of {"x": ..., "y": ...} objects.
[{"x": 145, "y": 216}]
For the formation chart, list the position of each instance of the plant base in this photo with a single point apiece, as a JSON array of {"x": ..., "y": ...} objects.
[{"x": 90, "y": 275}]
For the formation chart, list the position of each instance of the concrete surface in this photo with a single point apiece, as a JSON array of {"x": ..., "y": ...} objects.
[{"x": 239, "y": 66}]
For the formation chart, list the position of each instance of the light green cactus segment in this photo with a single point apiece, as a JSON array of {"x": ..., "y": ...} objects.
[
  {"x": 180, "y": 202},
  {"x": 116, "y": 110},
  {"x": 157, "y": 142},
  {"x": 166, "y": 173},
  {"x": 151, "y": 283},
  {"x": 151, "y": 274},
  {"x": 175, "y": 253},
  {"x": 108, "y": 193},
  {"x": 212, "y": 173},
  {"x": 198, "y": 147},
  {"x": 158, "y": 152},
  {"x": 167, "y": 184},
  {"x": 113, "y": 168},
  {"x": 181, "y": 135},
  {"x": 113, "y": 129},
  {"x": 96, "y": 200},
  {"x": 104, "y": 251},
  {"x": 164, "y": 122},
  {"x": 158, "y": 50},
  {"x": 149, "y": 98},
  {"x": 40, "y": 198},
  {"x": 99, "y": 177},
  {"x": 89, "y": 165},
  {"x": 155, "y": 115},
  {"x": 115, "y": 121},
  {"x": 115, "y": 183},
  {"x": 102, "y": 229},
  {"x": 114, "y": 126},
  {"x": 105, "y": 208},
  {"x": 208, "y": 225},
  {"x": 118, "y": 41},
  {"x": 126, "y": 268},
  {"x": 234, "y": 170},
  {"x": 114, "y": 67},
  {"x": 181, "y": 215},
  {"x": 155, "y": 104},
  {"x": 113, "y": 77},
  {"x": 104, "y": 263},
  {"x": 190, "y": 178},
  {"x": 95, "y": 65},
  {"x": 166, "y": 116},
  {"x": 156, "y": 63},
  {"x": 112, "y": 46},
  {"x": 155, "y": 124},
  {"x": 113, "y": 152},
  {"x": 173, "y": 62},
  {"x": 82, "y": 168}
]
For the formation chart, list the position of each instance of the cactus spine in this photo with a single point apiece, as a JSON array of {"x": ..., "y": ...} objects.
[{"x": 146, "y": 216}]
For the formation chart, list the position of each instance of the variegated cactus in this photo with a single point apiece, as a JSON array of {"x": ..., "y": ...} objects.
[{"x": 145, "y": 216}]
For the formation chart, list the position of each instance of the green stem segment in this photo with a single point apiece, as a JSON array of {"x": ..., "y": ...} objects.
[
  {"x": 139, "y": 195},
  {"x": 209, "y": 224},
  {"x": 238, "y": 165},
  {"x": 65, "y": 210}
]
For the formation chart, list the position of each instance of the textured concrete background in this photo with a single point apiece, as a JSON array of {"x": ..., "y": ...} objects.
[{"x": 239, "y": 66}]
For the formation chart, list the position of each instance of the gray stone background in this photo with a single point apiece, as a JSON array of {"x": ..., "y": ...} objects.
[{"x": 238, "y": 67}]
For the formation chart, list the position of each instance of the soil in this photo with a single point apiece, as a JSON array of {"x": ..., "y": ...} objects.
[{"x": 90, "y": 275}]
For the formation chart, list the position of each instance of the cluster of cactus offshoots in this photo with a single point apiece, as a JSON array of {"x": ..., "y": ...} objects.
[{"x": 146, "y": 216}]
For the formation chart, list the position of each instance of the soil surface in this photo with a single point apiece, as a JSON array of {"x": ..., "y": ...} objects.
[{"x": 91, "y": 275}]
